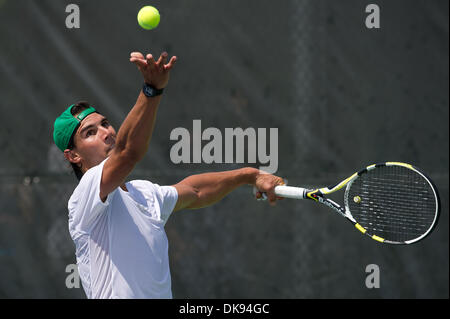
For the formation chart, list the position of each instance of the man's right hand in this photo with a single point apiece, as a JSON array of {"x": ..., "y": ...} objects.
[
  {"x": 134, "y": 135},
  {"x": 155, "y": 73}
]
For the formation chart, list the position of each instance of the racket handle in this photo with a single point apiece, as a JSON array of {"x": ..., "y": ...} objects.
[{"x": 290, "y": 192}]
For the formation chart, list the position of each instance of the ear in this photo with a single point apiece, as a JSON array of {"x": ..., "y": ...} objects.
[{"x": 72, "y": 156}]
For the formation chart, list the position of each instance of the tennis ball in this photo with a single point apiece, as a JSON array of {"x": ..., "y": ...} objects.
[{"x": 148, "y": 17}]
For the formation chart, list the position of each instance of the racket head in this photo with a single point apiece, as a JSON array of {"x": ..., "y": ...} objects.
[{"x": 393, "y": 203}]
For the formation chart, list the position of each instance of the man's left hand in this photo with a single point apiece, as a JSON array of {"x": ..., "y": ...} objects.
[{"x": 265, "y": 183}]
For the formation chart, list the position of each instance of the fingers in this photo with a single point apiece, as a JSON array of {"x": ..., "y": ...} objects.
[
  {"x": 155, "y": 73},
  {"x": 161, "y": 63},
  {"x": 162, "y": 60},
  {"x": 137, "y": 55},
  {"x": 263, "y": 196},
  {"x": 265, "y": 186},
  {"x": 138, "y": 59},
  {"x": 271, "y": 197},
  {"x": 141, "y": 61},
  {"x": 171, "y": 63},
  {"x": 151, "y": 62},
  {"x": 266, "y": 192}
]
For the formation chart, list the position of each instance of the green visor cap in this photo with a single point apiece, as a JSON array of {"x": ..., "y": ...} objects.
[{"x": 66, "y": 124}]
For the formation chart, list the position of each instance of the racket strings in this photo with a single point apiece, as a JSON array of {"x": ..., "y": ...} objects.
[{"x": 397, "y": 203}]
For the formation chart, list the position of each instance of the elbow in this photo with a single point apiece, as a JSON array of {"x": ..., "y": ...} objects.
[
  {"x": 130, "y": 151},
  {"x": 132, "y": 156},
  {"x": 188, "y": 197},
  {"x": 195, "y": 198}
]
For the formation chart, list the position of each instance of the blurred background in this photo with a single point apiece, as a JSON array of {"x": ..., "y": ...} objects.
[{"x": 341, "y": 95}]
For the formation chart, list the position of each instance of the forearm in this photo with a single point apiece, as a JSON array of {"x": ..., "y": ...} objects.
[
  {"x": 136, "y": 131},
  {"x": 212, "y": 187},
  {"x": 133, "y": 137}
]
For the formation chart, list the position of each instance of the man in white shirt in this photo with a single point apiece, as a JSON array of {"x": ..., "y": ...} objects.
[{"x": 118, "y": 226}]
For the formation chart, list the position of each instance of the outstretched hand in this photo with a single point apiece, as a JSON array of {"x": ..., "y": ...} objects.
[
  {"x": 155, "y": 73},
  {"x": 265, "y": 183}
]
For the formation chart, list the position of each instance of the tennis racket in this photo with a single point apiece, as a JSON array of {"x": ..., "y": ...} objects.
[{"x": 392, "y": 202}]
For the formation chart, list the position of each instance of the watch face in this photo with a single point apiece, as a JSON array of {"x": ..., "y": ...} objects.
[{"x": 148, "y": 90}]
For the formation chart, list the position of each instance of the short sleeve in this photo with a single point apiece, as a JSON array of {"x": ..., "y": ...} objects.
[
  {"x": 85, "y": 205},
  {"x": 161, "y": 200},
  {"x": 167, "y": 197}
]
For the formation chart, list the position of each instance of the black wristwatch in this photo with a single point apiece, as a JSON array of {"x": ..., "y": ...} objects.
[{"x": 151, "y": 91}]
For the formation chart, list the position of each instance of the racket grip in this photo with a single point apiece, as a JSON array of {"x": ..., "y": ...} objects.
[{"x": 290, "y": 192}]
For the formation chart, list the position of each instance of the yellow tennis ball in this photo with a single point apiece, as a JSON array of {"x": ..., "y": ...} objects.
[{"x": 148, "y": 17}]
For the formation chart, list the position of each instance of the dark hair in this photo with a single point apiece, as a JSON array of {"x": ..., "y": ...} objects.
[{"x": 77, "y": 108}]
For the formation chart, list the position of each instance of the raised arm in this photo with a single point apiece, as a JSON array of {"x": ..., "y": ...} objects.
[
  {"x": 203, "y": 190},
  {"x": 134, "y": 135}
]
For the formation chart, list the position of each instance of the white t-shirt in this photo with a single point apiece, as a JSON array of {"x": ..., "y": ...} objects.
[{"x": 121, "y": 245}]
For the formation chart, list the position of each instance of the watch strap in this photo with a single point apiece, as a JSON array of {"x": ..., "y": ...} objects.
[{"x": 151, "y": 91}]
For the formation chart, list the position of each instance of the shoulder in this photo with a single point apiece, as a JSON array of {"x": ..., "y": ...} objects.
[
  {"x": 143, "y": 186},
  {"x": 85, "y": 205},
  {"x": 153, "y": 190},
  {"x": 87, "y": 187},
  {"x": 89, "y": 178},
  {"x": 147, "y": 185},
  {"x": 162, "y": 198}
]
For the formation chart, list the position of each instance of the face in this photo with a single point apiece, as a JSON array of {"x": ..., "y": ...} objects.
[{"x": 94, "y": 141}]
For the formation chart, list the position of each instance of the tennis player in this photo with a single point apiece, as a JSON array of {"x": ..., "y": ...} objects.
[{"x": 118, "y": 226}]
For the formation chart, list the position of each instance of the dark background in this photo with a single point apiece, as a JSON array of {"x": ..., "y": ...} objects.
[{"x": 342, "y": 97}]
